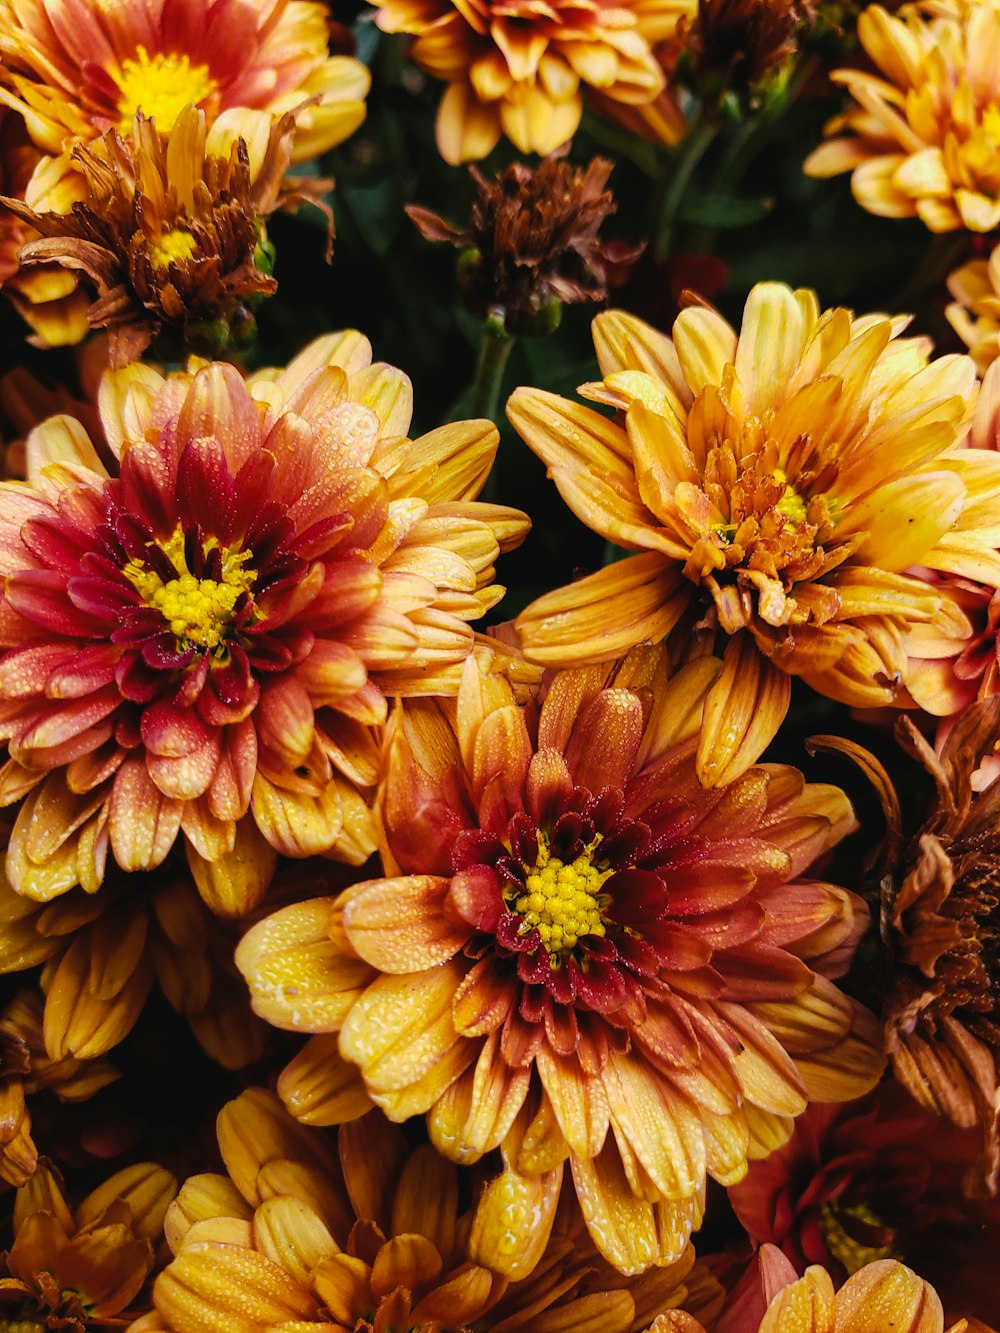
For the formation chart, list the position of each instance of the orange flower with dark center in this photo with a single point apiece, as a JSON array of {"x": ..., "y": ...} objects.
[
  {"x": 166, "y": 237},
  {"x": 366, "y": 1233},
  {"x": 80, "y": 1269},
  {"x": 773, "y": 487},
  {"x": 581, "y": 955},
  {"x": 201, "y": 644}
]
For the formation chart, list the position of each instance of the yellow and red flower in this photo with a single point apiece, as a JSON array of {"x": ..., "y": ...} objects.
[
  {"x": 581, "y": 954},
  {"x": 882, "y": 1297},
  {"x": 877, "y": 1179},
  {"x": 82, "y": 67},
  {"x": 365, "y": 1232},
  {"x": 517, "y": 69},
  {"x": 80, "y": 1269},
  {"x": 923, "y": 140},
  {"x": 202, "y": 644},
  {"x": 776, "y": 485}
]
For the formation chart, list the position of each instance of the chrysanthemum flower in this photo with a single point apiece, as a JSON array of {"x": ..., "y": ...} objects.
[
  {"x": 883, "y": 1297},
  {"x": 876, "y": 1179},
  {"x": 27, "y": 1069},
  {"x": 80, "y": 68},
  {"x": 517, "y": 69},
  {"x": 165, "y": 237},
  {"x": 75, "y": 1270},
  {"x": 365, "y": 1232},
  {"x": 923, "y": 140},
  {"x": 941, "y": 920},
  {"x": 201, "y": 644},
  {"x": 975, "y": 312},
  {"x": 775, "y": 484},
  {"x": 583, "y": 955},
  {"x": 103, "y": 953}
]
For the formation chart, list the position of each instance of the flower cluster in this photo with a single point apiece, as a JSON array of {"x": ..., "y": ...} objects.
[{"x": 382, "y": 953}]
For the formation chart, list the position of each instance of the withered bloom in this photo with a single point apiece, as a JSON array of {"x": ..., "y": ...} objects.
[
  {"x": 941, "y": 921},
  {"x": 741, "y": 48},
  {"x": 531, "y": 244},
  {"x": 167, "y": 235}
]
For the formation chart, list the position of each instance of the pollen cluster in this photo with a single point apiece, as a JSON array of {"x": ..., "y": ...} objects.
[
  {"x": 162, "y": 85},
  {"x": 198, "y": 610},
  {"x": 563, "y": 902}
]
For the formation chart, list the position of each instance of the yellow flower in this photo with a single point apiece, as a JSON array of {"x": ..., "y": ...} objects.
[
  {"x": 580, "y": 958},
  {"x": 76, "y": 1270},
  {"x": 82, "y": 67},
  {"x": 775, "y": 486},
  {"x": 364, "y": 1231},
  {"x": 975, "y": 312},
  {"x": 924, "y": 140},
  {"x": 517, "y": 69}
]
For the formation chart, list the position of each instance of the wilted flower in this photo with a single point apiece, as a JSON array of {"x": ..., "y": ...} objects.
[
  {"x": 166, "y": 236},
  {"x": 516, "y": 69},
  {"x": 882, "y": 1296},
  {"x": 876, "y": 1179},
  {"x": 776, "y": 484},
  {"x": 203, "y": 643},
  {"x": 975, "y": 312},
  {"x": 531, "y": 244},
  {"x": 581, "y": 954},
  {"x": 76, "y": 75},
  {"x": 744, "y": 48},
  {"x": 923, "y": 140},
  {"x": 79, "y": 1269},
  {"x": 365, "y": 1232},
  {"x": 26, "y": 1068}
]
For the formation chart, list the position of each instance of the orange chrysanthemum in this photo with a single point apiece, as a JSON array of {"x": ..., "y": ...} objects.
[
  {"x": 582, "y": 955},
  {"x": 776, "y": 484},
  {"x": 882, "y": 1296},
  {"x": 82, "y": 67},
  {"x": 516, "y": 69},
  {"x": 76, "y": 1270},
  {"x": 370, "y": 1237},
  {"x": 923, "y": 140},
  {"x": 201, "y": 644}
]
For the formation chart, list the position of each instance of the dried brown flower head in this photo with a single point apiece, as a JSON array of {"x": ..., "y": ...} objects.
[
  {"x": 940, "y": 890},
  {"x": 741, "y": 48},
  {"x": 166, "y": 234},
  {"x": 531, "y": 244}
]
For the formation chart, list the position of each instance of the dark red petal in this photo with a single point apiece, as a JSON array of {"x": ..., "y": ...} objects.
[
  {"x": 637, "y": 897},
  {"x": 40, "y": 595}
]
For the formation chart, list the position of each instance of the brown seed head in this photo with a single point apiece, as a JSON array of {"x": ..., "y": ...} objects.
[{"x": 738, "y": 46}]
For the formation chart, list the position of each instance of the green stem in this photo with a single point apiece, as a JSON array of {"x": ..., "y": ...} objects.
[
  {"x": 494, "y": 351},
  {"x": 692, "y": 149}
]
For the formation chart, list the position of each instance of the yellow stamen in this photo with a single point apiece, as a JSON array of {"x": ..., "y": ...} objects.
[
  {"x": 199, "y": 611},
  {"x": 851, "y": 1253},
  {"x": 991, "y": 124},
  {"x": 562, "y": 901},
  {"x": 173, "y": 247},
  {"x": 791, "y": 505},
  {"x": 160, "y": 86}
]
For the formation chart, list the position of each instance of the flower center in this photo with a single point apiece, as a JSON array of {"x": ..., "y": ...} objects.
[
  {"x": 199, "y": 610},
  {"x": 562, "y": 901},
  {"x": 174, "y": 246},
  {"x": 791, "y": 505},
  {"x": 837, "y": 1225},
  {"x": 160, "y": 86},
  {"x": 991, "y": 124}
]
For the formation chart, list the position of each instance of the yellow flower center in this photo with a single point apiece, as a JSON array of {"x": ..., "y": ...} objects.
[
  {"x": 199, "y": 611},
  {"x": 991, "y": 124},
  {"x": 174, "y": 246},
  {"x": 160, "y": 86},
  {"x": 21, "y": 1326},
  {"x": 562, "y": 901},
  {"x": 850, "y": 1252},
  {"x": 791, "y": 505}
]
